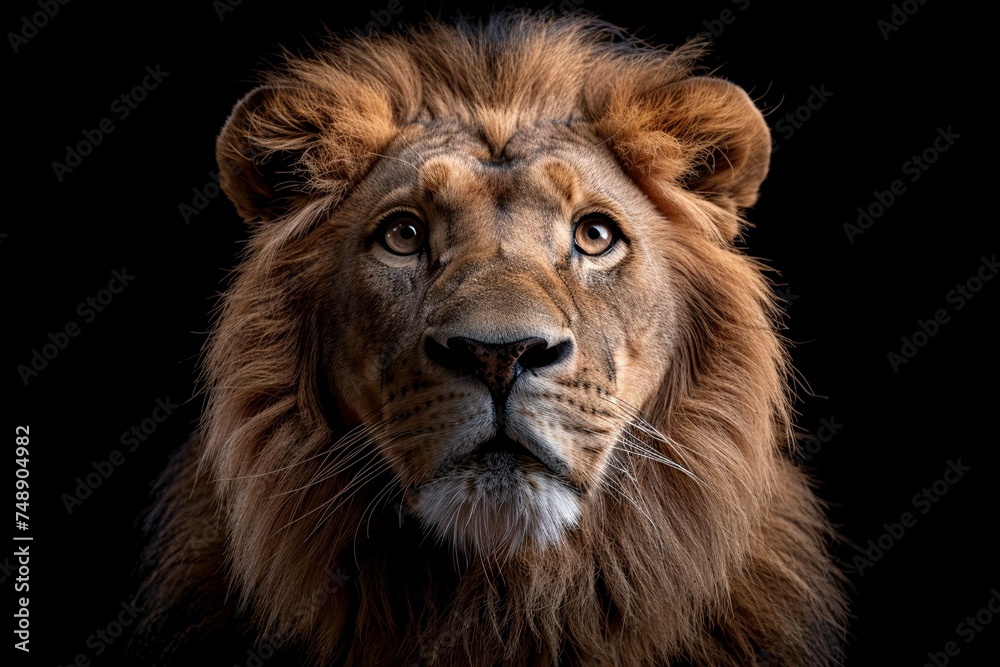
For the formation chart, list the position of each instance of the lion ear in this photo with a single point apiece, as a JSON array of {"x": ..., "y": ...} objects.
[
  {"x": 729, "y": 142},
  {"x": 702, "y": 133},
  {"x": 315, "y": 135},
  {"x": 259, "y": 179}
]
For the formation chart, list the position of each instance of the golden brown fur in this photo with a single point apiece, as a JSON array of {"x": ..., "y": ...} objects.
[{"x": 684, "y": 534}]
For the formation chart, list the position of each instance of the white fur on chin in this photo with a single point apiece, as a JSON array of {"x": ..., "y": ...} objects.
[{"x": 497, "y": 508}]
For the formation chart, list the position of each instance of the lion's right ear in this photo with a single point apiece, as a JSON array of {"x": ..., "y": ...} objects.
[
  {"x": 315, "y": 136},
  {"x": 257, "y": 178}
]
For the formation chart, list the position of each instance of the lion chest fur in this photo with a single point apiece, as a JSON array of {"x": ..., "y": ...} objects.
[{"x": 493, "y": 366}]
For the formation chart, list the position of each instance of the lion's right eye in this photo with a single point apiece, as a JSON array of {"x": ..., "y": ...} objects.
[{"x": 403, "y": 235}]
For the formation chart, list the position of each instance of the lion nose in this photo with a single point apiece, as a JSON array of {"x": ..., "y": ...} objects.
[{"x": 496, "y": 364}]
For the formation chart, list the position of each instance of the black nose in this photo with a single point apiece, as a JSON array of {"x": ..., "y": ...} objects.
[{"x": 496, "y": 364}]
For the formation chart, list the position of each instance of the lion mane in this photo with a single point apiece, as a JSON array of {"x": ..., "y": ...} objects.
[{"x": 440, "y": 431}]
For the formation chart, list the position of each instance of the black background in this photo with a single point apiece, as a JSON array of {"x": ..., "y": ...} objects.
[{"x": 849, "y": 304}]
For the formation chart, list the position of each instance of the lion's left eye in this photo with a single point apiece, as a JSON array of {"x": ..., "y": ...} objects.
[
  {"x": 403, "y": 235},
  {"x": 594, "y": 234}
]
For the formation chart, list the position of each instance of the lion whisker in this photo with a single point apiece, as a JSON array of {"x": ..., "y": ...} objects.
[
  {"x": 722, "y": 459},
  {"x": 614, "y": 484},
  {"x": 635, "y": 420},
  {"x": 633, "y": 446},
  {"x": 325, "y": 452},
  {"x": 393, "y": 157},
  {"x": 353, "y": 459},
  {"x": 369, "y": 472},
  {"x": 622, "y": 469},
  {"x": 328, "y": 469},
  {"x": 634, "y": 415},
  {"x": 318, "y": 508},
  {"x": 402, "y": 136},
  {"x": 388, "y": 487},
  {"x": 342, "y": 461}
]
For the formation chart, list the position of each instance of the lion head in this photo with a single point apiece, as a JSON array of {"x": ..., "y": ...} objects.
[{"x": 493, "y": 359}]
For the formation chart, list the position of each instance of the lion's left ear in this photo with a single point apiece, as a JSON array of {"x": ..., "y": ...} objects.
[
  {"x": 728, "y": 141},
  {"x": 704, "y": 134}
]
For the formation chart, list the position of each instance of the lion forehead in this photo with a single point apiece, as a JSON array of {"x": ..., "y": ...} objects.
[{"x": 543, "y": 172}]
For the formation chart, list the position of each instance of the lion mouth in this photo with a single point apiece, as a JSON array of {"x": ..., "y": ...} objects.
[
  {"x": 503, "y": 454},
  {"x": 502, "y": 449},
  {"x": 498, "y": 497}
]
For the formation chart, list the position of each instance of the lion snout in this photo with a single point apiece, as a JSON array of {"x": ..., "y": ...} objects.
[{"x": 497, "y": 365}]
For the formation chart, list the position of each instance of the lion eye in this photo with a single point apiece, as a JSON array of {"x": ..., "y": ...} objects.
[
  {"x": 404, "y": 235},
  {"x": 594, "y": 235}
]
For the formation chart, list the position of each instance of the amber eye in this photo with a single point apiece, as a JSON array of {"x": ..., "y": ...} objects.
[
  {"x": 594, "y": 234},
  {"x": 404, "y": 235}
]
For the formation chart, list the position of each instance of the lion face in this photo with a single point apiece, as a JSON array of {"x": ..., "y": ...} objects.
[{"x": 517, "y": 315}]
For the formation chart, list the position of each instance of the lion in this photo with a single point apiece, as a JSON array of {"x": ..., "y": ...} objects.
[{"x": 493, "y": 383}]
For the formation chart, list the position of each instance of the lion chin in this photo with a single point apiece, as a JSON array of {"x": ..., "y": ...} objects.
[
  {"x": 500, "y": 500},
  {"x": 494, "y": 383}
]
